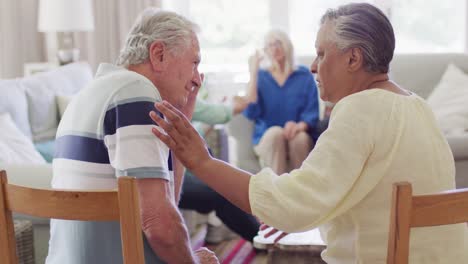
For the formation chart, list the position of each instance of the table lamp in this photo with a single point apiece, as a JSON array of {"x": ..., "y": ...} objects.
[{"x": 66, "y": 16}]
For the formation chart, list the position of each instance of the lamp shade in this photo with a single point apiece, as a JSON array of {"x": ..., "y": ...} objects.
[{"x": 65, "y": 16}]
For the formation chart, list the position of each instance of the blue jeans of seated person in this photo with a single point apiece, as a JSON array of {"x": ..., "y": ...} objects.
[{"x": 199, "y": 197}]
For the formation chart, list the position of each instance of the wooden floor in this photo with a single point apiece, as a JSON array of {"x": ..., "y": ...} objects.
[
  {"x": 274, "y": 256},
  {"x": 219, "y": 249},
  {"x": 260, "y": 258}
]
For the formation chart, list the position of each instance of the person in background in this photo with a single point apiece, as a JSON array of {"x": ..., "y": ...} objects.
[
  {"x": 196, "y": 195},
  {"x": 283, "y": 104},
  {"x": 379, "y": 133},
  {"x": 105, "y": 134}
]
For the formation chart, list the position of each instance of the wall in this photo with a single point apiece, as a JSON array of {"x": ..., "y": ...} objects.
[
  {"x": 466, "y": 26},
  {"x": 19, "y": 40}
]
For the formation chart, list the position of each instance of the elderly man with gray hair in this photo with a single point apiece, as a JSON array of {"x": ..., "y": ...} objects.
[{"x": 106, "y": 133}]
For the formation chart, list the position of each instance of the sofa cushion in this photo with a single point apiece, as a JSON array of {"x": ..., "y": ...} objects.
[
  {"x": 16, "y": 148},
  {"x": 449, "y": 101},
  {"x": 62, "y": 103},
  {"x": 46, "y": 149},
  {"x": 41, "y": 90},
  {"x": 13, "y": 101}
]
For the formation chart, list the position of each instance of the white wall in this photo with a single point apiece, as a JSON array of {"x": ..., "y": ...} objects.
[{"x": 466, "y": 26}]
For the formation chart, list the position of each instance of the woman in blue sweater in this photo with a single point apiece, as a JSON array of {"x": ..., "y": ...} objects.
[{"x": 283, "y": 103}]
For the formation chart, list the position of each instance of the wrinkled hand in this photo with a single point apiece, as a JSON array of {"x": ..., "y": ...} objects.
[
  {"x": 272, "y": 232},
  {"x": 205, "y": 255},
  {"x": 180, "y": 136},
  {"x": 189, "y": 107},
  {"x": 254, "y": 62}
]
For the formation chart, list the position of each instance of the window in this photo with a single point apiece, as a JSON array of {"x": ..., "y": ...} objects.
[
  {"x": 304, "y": 20},
  {"x": 232, "y": 30},
  {"x": 429, "y": 25},
  {"x": 419, "y": 25}
]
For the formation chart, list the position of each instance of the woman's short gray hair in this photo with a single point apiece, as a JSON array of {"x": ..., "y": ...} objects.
[
  {"x": 363, "y": 26},
  {"x": 153, "y": 24}
]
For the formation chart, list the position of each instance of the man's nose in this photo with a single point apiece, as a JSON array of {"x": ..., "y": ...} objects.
[{"x": 196, "y": 81}]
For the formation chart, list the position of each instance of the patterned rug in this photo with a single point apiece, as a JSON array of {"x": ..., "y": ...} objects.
[{"x": 236, "y": 251}]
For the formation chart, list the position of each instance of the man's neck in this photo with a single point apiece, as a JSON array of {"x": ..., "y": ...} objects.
[{"x": 143, "y": 69}]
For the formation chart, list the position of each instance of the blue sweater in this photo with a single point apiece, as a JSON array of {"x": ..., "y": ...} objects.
[{"x": 296, "y": 100}]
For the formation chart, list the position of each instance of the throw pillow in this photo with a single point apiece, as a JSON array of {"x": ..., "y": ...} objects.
[
  {"x": 13, "y": 100},
  {"x": 62, "y": 103},
  {"x": 41, "y": 90},
  {"x": 449, "y": 101},
  {"x": 15, "y": 147}
]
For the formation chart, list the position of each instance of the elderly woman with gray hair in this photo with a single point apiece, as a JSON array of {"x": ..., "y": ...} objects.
[{"x": 379, "y": 133}]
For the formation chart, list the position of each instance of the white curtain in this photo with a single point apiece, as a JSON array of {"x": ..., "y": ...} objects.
[{"x": 20, "y": 42}]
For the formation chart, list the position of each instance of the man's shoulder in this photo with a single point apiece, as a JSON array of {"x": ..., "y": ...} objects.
[
  {"x": 125, "y": 85},
  {"x": 124, "y": 79}
]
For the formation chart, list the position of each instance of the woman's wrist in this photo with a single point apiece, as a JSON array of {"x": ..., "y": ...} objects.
[{"x": 202, "y": 166}]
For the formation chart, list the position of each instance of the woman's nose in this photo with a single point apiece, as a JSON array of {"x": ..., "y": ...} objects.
[{"x": 313, "y": 66}]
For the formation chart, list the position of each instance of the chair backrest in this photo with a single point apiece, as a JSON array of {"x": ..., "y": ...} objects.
[
  {"x": 450, "y": 207},
  {"x": 121, "y": 205}
]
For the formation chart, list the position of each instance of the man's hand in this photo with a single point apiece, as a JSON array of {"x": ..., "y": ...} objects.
[
  {"x": 189, "y": 107},
  {"x": 205, "y": 255}
]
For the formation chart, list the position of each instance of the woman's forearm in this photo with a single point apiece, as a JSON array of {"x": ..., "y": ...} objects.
[
  {"x": 252, "y": 88},
  {"x": 179, "y": 171},
  {"x": 233, "y": 185}
]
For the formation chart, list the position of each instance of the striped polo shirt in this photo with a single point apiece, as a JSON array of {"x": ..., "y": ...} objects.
[{"x": 105, "y": 133}]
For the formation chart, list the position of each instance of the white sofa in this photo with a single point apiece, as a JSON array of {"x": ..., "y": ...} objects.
[
  {"x": 31, "y": 102},
  {"x": 32, "y": 105},
  {"x": 419, "y": 73}
]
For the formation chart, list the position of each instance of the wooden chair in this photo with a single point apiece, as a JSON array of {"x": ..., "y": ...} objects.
[
  {"x": 121, "y": 205},
  {"x": 408, "y": 211}
]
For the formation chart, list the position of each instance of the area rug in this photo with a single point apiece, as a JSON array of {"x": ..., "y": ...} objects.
[{"x": 236, "y": 251}]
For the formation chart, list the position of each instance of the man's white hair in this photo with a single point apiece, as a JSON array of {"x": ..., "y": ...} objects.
[{"x": 153, "y": 24}]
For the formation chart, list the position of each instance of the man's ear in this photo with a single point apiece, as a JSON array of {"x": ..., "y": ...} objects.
[
  {"x": 355, "y": 59},
  {"x": 157, "y": 55}
]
